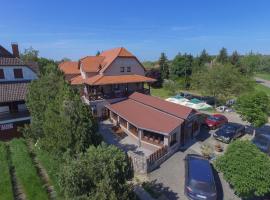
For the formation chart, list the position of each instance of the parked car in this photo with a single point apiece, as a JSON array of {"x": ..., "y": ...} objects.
[
  {"x": 199, "y": 178},
  {"x": 214, "y": 121},
  {"x": 229, "y": 132},
  {"x": 224, "y": 109},
  {"x": 262, "y": 141}
]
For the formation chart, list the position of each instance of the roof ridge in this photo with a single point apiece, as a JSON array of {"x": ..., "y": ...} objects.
[{"x": 163, "y": 111}]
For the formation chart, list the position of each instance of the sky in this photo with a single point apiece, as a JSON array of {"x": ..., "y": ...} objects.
[{"x": 74, "y": 29}]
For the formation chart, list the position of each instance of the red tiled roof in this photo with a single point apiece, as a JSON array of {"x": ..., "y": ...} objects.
[
  {"x": 92, "y": 63},
  {"x": 162, "y": 105},
  {"x": 69, "y": 67},
  {"x": 107, "y": 80},
  {"x": 13, "y": 91},
  {"x": 76, "y": 80},
  {"x": 145, "y": 117}
]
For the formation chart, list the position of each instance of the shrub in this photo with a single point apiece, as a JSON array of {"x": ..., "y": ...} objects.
[{"x": 246, "y": 168}]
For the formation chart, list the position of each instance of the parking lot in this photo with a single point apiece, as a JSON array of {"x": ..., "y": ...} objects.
[{"x": 170, "y": 176}]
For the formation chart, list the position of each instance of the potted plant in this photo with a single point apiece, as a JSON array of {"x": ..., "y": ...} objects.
[
  {"x": 218, "y": 147},
  {"x": 206, "y": 150}
]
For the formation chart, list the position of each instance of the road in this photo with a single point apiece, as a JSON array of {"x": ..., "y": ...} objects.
[{"x": 263, "y": 81}]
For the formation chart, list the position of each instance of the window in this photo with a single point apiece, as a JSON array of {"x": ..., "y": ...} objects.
[
  {"x": 128, "y": 69},
  {"x": 122, "y": 69},
  {"x": 18, "y": 73},
  {"x": 2, "y": 75},
  {"x": 173, "y": 139}
]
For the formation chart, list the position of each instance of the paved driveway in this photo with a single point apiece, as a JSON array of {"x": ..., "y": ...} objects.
[
  {"x": 262, "y": 81},
  {"x": 170, "y": 175}
]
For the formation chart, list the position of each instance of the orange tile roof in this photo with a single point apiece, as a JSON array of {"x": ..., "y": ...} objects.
[
  {"x": 107, "y": 80},
  {"x": 92, "y": 63},
  {"x": 77, "y": 80},
  {"x": 69, "y": 67}
]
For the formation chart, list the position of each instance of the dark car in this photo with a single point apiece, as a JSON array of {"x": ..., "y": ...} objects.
[
  {"x": 229, "y": 132},
  {"x": 214, "y": 121},
  {"x": 262, "y": 141},
  {"x": 199, "y": 178}
]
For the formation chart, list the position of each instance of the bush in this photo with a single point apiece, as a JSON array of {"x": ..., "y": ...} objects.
[
  {"x": 246, "y": 168},
  {"x": 171, "y": 86},
  {"x": 100, "y": 173}
]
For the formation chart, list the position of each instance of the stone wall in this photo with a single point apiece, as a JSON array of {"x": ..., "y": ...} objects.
[{"x": 139, "y": 162}]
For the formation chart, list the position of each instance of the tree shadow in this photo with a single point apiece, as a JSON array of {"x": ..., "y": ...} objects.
[{"x": 157, "y": 190}]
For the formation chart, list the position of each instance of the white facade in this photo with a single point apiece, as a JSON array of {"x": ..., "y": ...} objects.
[{"x": 28, "y": 74}]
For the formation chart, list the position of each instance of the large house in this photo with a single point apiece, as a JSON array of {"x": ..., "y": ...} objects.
[
  {"x": 15, "y": 76},
  {"x": 115, "y": 86},
  {"x": 108, "y": 77}
]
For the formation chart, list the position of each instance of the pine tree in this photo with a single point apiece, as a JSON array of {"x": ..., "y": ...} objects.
[
  {"x": 235, "y": 58},
  {"x": 223, "y": 56},
  {"x": 204, "y": 58},
  {"x": 164, "y": 66}
]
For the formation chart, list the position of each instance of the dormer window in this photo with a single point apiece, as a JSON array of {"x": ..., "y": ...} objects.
[
  {"x": 18, "y": 73},
  {"x": 2, "y": 75},
  {"x": 128, "y": 69},
  {"x": 122, "y": 69}
]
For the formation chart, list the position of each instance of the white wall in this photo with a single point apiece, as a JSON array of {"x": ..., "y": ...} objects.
[
  {"x": 28, "y": 74},
  {"x": 115, "y": 67}
]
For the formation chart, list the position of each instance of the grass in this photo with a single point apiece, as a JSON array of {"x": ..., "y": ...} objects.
[
  {"x": 26, "y": 172},
  {"x": 160, "y": 92},
  {"x": 5, "y": 179},
  {"x": 265, "y": 76},
  {"x": 52, "y": 167},
  {"x": 259, "y": 87}
]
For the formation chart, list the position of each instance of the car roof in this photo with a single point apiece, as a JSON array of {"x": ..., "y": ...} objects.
[
  {"x": 218, "y": 115},
  {"x": 199, "y": 168},
  {"x": 235, "y": 125},
  {"x": 265, "y": 135}
]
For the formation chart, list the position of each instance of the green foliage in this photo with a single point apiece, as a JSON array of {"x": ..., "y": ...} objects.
[
  {"x": 30, "y": 55},
  {"x": 235, "y": 58},
  {"x": 25, "y": 171},
  {"x": 204, "y": 58},
  {"x": 223, "y": 56},
  {"x": 5, "y": 180},
  {"x": 101, "y": 173},
  {"x": 250, "y": 63},
  {"x": 222, "y": 82},
  {"x": 171, "y": 86},
  {"x": 163, "y": 66},
  {"x": 254, "y": 107},
  {"x": 246, "y": 168}
]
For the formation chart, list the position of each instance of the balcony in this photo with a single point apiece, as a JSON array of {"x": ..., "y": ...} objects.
[
  {"x": 12, "y": 117},
  {"x": 115, "y": 94}
]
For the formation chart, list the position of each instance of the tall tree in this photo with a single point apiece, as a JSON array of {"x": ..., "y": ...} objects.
[
  {"x": 101, "y": 173},
  {"x": 30, "y": 55},
  {"x": 254, "y": 108},
  {"x": 235, "y": 58},
  {"x": 182, "y": 67},
  {"x": 204, "y": 58},
  {"x": 222, "y": 56},
  {"x": 215, "y": 82},
  {"x": 250, "y": 63},
  {"x": 163, "y": 66}
]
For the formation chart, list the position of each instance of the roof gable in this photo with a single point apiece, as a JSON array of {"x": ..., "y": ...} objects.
[
  {"x": 92, "y": 63},
  {"x": 171, "y": 108},
  {"x": 5, "y": 53}
]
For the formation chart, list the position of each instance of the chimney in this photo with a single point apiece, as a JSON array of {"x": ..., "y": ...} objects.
[{"x": 15, "y": 50}]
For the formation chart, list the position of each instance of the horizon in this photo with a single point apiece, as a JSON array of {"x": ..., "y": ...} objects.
[{"x": 74, "y": 30}]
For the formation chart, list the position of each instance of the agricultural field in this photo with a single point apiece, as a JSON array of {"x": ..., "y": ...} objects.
[
  {"x": 5, "y": 180},
  {"x": 22, "y": 174}
]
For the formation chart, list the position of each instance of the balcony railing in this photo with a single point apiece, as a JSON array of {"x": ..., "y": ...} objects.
[
  {"x": 115, "y": 94},
  {"x": 10, "y": 116}
]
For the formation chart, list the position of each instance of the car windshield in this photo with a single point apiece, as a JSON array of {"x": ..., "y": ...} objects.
[
  {"x": 201, "y": 186},
  {"x": 213, "y": 118},
  {"x": 228, "y": 128}
]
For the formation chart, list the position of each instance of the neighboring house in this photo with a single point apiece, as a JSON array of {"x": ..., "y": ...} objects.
[
  {"x": 15, "y": 76},
  {"x": 155, "y": 124},
  {"x": 106, "y": 78}
]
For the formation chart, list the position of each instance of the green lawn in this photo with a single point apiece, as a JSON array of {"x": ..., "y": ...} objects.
[
  {"x": 5, "y": 179},
  {"x": 26, "y": 172},
  {"x": 265, "y": 76},
  {"x": 259, "y": 87},
  {"x": 52, "y": 167},
  {"x": 160, "y": 92}
]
